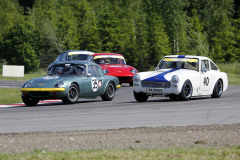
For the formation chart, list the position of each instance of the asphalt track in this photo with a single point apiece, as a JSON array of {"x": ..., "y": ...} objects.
[{"x": 122, "y": 112}]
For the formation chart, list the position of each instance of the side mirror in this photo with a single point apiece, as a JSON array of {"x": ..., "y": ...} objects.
[{"x": 104, "y": 71}]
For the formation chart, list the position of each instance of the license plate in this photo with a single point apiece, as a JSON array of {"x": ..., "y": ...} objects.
[{"x": 154, "y": 90}]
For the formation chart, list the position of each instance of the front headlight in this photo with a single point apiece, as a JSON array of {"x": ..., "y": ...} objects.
[
  {"x": 60, "y": 84},
  {"x": 133, "y": 71},
  {"x": 25, "y": 84},
  {"x": 175, "y": 79},
  {"x": 136, "y": 77}
]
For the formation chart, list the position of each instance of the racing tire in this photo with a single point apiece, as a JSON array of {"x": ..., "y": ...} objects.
[
  {"x": 218, "y": 89},
  {"x": 72, "y": 96},
  {"x": 30, "y": 101},
  {"x": 173, "y": 97},
  {"x": 109, "y": 92},
  {"x": 186, "y": 92},
  {"x": 140, "y": 97}
]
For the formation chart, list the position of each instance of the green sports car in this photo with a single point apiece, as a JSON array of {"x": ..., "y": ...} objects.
[{"x": 69, "y": 81}]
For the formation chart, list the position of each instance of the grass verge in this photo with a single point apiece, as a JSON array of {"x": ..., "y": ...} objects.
[
  {"x": 10, "y": 95},
  {"x": 186, "y": 153}
]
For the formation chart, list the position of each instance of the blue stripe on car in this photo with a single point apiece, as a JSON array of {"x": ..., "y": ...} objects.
[
  {"x": 181, "y": 56},
  {"x": 160, "y": 77}
]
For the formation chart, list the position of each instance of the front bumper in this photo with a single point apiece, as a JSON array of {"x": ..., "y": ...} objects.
[
  {"x": 44, "y": 93},
  {"x": 173, "y": 89}
]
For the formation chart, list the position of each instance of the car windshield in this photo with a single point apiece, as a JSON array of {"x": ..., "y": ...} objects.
[
  {"x": 183, "y": 63},
  {"x": 73, "y": 57},
  {"x": 109, "y": 60},
  {"x": 68, "y": 69}
]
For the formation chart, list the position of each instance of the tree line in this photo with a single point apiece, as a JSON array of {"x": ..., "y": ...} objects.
[{"x": 34, "y": 32}]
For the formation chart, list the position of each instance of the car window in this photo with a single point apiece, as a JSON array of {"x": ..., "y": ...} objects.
[
  {"x": 94, "y": 70},
  {"x": 213, "y": 67},
  {"x": 205, "y": 65}
]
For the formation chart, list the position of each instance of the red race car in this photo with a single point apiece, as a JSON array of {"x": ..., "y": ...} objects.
[{"x": 115, "y": 65}]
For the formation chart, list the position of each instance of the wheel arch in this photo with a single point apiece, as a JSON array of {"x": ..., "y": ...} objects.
[{"x": 76, "y": 85}]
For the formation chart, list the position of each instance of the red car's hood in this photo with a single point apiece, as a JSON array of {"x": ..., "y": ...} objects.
[{"x": 117, "y": 69}]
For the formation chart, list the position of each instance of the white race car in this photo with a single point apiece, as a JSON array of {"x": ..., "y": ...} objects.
[{"x": 181, "y": 77}]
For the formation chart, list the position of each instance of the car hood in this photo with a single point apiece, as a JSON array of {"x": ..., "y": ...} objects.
[
  {"x": 117, "y": 69},
  {"x": 47, "y": 81},
  {"x": 164, "y": 75}
]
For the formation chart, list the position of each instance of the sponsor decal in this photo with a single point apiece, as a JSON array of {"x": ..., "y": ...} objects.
[
  {"x": 154, "y": 90},
  {"x": 94, "y": 84},
  {"x": 181, "y": 56},
  {"x": 41, "y": 84},
  {"x": 160, "y": 77}
]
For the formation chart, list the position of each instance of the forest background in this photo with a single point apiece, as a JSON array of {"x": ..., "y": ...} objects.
[{"x": 34, "y": 32}]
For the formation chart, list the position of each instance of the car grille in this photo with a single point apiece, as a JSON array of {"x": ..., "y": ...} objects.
[
  {"x": 156, "y": 84},
  {"x": 39, "y": 94},
  {"x": 123, "y": 78}
]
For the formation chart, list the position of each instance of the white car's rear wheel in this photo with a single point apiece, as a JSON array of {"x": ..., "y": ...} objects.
[{"x": 218, "y": 89}]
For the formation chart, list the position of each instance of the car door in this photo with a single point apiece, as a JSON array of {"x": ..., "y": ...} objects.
[
  {"x": 205, "y": 76},
  {"x": 93, "y": 82}
]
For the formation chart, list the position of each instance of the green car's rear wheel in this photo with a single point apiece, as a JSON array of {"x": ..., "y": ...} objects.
[
  {"x": 73, "y": 93},
  {"x": 30, "y": 101},
  {"x": 109, "y": 92}
]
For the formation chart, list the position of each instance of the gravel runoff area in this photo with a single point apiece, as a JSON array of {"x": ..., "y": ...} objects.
[{"x": 125, "y": 138}]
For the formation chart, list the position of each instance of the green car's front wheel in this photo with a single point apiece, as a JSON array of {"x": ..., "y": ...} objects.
[
  {"x": 30, "y": 101},
  {"x": 72, "y": 96},
  {"x": 109, "y": 92}
]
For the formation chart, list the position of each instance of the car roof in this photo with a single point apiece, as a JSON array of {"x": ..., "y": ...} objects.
[
  {"x": 75, "y": 62},
  {"x": 186, "y": 56},
  {"x": 114, "y": 54},
  {"x": 79, "y": 52}
]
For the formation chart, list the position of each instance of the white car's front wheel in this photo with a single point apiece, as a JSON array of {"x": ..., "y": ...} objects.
[
  {"x": 186, "y": 92},
  {"x": 140, "y": 97}
]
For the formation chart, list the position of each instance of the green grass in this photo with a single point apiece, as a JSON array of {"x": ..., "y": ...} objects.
[
  {"x": 231, "y": 153},
  {"x": 26, "y": 77},
  {"x": 10, "y": 95}
]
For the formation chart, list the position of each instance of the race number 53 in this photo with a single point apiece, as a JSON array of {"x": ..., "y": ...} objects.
[{"x": 206, "y": 81}]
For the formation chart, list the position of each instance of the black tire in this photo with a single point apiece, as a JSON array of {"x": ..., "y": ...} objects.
[
  {"x": 173, "y": 97},
  {"x": 73, "y": 94},
  {"x": 30, "y": 101},
  {"x": 140, "y": 97},
  {"x": 109, "y": 92},
  {"x": 186, "y": 92},
  {"x": 130, "y": 83},
  {"x": 218, "y": 89}
]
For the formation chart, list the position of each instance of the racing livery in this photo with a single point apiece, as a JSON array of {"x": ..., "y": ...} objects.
[
  {"x": 69, "y": 81},
  {"x": 181, "y": 77},
  {"x": 115, "y": 65}
]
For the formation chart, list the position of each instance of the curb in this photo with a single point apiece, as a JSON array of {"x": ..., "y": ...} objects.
[{"x": 23, "y": 105}]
